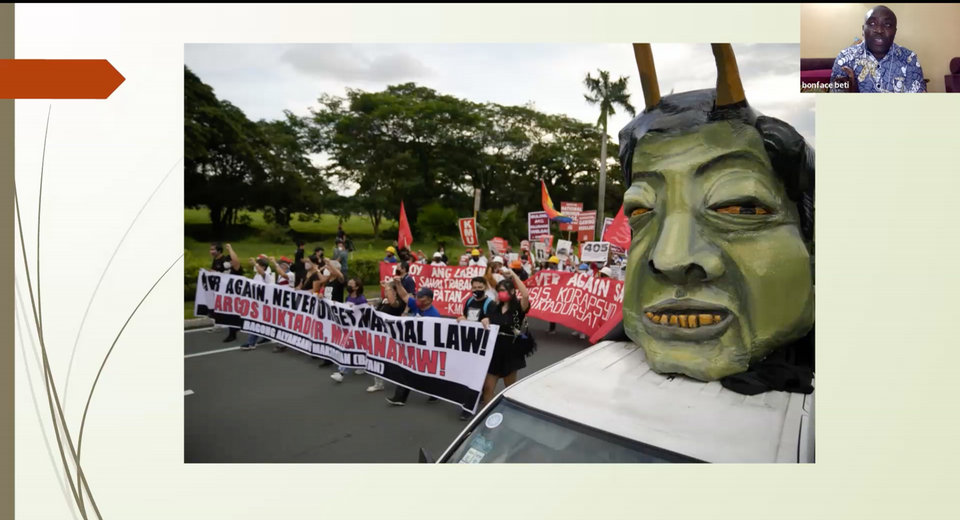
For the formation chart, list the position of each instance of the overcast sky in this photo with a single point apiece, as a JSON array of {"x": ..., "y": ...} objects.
[{"x": 266, "y": 79}]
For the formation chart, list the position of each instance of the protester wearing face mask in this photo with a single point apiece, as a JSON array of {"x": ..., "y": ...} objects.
[
  {"x": 354, "y": 297},
  {"x": 496, "y": 268},
  {"x": 438, "y": 260},
  {"x": 403, "y": 271},
  {"x": 465, "y": 259},
  {"x": 420, "y": 306},
  {"x": 283, "y": 268},
  {"x": 513, "y": 303},
  {"x": 311, "y": 279},
  {"x": 265, "y": 276},
  {"x": 393, "y": 306},
  {"x": 297, "y": 265},
  {"x": 527, "y": 261},
  {"x": 606, "y": 272},
  {"x": 476, "y": 309},
  {"x": 329, "y": 276},
  {"x": 443, "y": 253},
  {"x": 229, "y": 264},
  {"x": 476, "y": 259}
]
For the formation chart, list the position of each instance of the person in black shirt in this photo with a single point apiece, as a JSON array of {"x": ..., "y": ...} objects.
[
  {"x": 394, "y": 307},
  {"x": 510, "y": 314},
  {"x": 297, "y": 267},
  {"x": 476, "y": 309},
  {"x": 229, "y": 264}
]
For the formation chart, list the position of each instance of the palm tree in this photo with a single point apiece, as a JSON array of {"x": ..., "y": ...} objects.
[{"x": 606, "y": 94}]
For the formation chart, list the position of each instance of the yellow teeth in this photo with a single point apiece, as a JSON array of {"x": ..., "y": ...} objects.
[{"x": 684, "y": 321}]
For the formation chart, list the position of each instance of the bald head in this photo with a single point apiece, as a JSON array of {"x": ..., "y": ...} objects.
[{"x": 879, "y": 30}]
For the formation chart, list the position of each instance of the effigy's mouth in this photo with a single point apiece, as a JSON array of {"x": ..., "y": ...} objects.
[{"x": 687, "y": 320}]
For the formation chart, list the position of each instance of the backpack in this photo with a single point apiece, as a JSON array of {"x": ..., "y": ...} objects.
[{"x": 485, "y": 304}]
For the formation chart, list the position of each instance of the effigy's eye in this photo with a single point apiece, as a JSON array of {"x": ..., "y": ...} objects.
[
  {"x": 743, "y": 210},
  {"x": 639, "y": 211}
]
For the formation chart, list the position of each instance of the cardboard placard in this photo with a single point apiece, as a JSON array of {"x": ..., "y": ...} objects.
[
  {"x": 538, "y": 225},
  {"x": 468, "y": 232},
  {"x": 595, "y": 252}
]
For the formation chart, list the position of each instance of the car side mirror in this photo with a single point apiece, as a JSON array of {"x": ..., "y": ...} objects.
[{"x": 425, "y": 457}]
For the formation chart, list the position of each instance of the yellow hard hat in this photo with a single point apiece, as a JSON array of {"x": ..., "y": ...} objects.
[
  {"x": 391, "y": 250},
  {"x": 475, "y": 252},
  {"x": 553, "y": 260}
]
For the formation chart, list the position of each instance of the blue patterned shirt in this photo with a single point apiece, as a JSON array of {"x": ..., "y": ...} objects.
[{"x": 898, "y": 71}]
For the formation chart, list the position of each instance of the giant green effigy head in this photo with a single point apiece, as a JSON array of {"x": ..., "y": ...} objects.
[{"x": 720, "y": 202}]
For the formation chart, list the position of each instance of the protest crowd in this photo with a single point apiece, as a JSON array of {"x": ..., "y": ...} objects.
[{"x": 499, "y": 296}]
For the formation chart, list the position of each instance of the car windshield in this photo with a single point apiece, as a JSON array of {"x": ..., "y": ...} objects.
[{"x": 511, "y": 433}]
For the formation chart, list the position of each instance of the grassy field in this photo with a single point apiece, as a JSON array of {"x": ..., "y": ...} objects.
[{"x": 356, "y": 226}]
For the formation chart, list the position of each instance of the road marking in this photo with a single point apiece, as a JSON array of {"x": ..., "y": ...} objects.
[
  {"x": 188, "y": 392},
  {"x": 211, "y": 352}
]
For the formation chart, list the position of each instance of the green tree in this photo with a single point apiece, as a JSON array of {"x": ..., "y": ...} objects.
[{"x": 606, "y": 94}]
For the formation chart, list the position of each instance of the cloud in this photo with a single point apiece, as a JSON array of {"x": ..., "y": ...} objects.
[{"x": 351, "y": 63}]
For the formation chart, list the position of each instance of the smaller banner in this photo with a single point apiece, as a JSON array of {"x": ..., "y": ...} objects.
[
  {"x": 595, "y": 252},
  {"x": 468, "y": 232},
  {"x": 564, "y": 248},
  {"x": 538, "y": 225},
  {"x": 572, "y": 210},
  {"x": 492, "y": 247},
  {"x": 524, "y": 245},
  {"x": 502, "y": 245},
  {"x": 540, "y": 250},
  {"x": 606, "y": 223}
]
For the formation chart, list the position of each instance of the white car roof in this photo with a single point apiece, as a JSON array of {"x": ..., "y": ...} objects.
[{"x": 611, "y": 387}]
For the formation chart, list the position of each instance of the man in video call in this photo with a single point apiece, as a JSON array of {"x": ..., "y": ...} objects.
[{"x": 876, "y": 64}]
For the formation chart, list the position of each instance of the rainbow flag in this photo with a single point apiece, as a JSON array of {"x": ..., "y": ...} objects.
[{"x": 552, "y": 213}]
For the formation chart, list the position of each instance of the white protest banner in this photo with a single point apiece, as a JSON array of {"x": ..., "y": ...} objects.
[
  {"x": 492, "y": 246},
  {"x": 468, "y": 232},
  {"x": 538, "y": 225},
  {"x": 595, "y": 252},
  {"x": 435, "y": 356}
]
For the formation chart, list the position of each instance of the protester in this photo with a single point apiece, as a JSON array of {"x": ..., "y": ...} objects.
[
  {"x": 355, "y": 292},
  {"x": 340, "y": 234},
  {"x": 331, "y": 274},
  {"x": 606, "y": 272},
  {"x": 421, "y": 258},
  {"x": 403, "y": 271},
  {"x": 392, "y": 306},
  {"x": 298, "y": 267},
  {"x": 476, "y": 309},
  {"x": 552, "y": 265},
  {"x": 391, "y": 257},
  {"x": 476, "y": 259},
  {"x": 513, "y": 340},
  {"x": 311, "y": 279},
  {"x": 438, "y": 260},
  {"x": 527, "y": 261},
  {"x": 465, "y": 258},
  {"x": 420, "y": 306},
  {"x": 517, "y": 267},
  {"x": 229, "y": 264},
  {"x": 443, "y": 253},
  {"x": 496, "y": 267},
  {"x": 340, "y": 255},
  {"x": 264, "y": 276}
]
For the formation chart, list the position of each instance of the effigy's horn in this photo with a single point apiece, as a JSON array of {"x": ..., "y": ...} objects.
[
  {"x": 648, "y": 74},
  {"x": 729, "y": 86}
]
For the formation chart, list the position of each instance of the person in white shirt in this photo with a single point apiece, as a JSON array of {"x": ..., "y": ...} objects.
[
  {"x": 265, "y": 276},
  {"x": 496, "y": 268},
  {"x": 476, "y": 259},
  {"x": 438, "y": 260}
]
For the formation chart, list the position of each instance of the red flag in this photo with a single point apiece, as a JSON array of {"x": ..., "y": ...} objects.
[
  {"x": 619, "y": 233},
  {"x": 406, "y": 237}
]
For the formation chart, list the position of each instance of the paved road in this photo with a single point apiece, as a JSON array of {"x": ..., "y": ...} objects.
[{"x": 258, "y": 406}]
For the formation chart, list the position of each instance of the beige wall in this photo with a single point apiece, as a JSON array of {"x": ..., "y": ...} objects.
[{"x": 930, "y": 30}]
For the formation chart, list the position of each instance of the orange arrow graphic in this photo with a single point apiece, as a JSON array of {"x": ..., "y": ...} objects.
[{"x": 58, "y": 79}]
